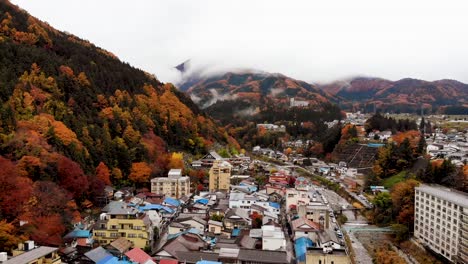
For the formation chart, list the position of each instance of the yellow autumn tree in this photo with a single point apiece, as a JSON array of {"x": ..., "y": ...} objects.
[{"x": 177, "y": 160}]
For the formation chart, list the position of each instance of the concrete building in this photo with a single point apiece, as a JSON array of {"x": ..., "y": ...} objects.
[
  {"x": 28, "y": 253},
  {"x": 294, "y": 198},
  {"x": 174, "y": 185},
  {"x": 220, "y": 176},
  {"x": 273, "y": 238},
  {"x": 441, "y": 221},
  {"x": 327, "y": 255},
  {"x": 120, "y": 220}
]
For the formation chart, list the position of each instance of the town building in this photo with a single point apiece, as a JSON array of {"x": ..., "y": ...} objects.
[
  {"x": 327, "y": 255},
  {"x": 441, "y": 221},
  {"x": 120, "y": 220},
  {"x": 28, "y": 253},
  {"x": 174, "y": 185},
  {"x": 220, "y": 176}
]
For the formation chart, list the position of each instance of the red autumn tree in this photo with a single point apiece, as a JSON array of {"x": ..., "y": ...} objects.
[
  {"x": 15, "y": 191},
  {"x": 48, "y": 199},
  {"x": 103, "y": 173},
  {"x": 200, "y": 187},
  {"x": 48, "y": 230},
  {"x": 257, "y": 219},
  {"x": 72, "y": 177}
]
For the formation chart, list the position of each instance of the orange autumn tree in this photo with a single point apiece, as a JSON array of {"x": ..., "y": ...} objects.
[
  {"x": 403, "y": 199},
  {"x": 9, "y": 239},
  {"x": 103, "y": 173},
  {"x": 140, "y": 172}
]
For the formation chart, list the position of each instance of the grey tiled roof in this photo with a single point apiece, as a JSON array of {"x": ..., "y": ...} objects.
[{"x": 262, "y": 256}]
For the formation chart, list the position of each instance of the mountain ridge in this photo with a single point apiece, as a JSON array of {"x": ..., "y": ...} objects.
[{"x": 357, "y": 93}]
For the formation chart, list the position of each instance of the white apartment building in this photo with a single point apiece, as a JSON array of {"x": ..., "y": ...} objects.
[
  {"x": 441, "y": 221},
  {"x": 175, "y": 185}
]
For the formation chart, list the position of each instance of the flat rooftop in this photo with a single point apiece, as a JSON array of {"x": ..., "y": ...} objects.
[
  {"x": 31, "y": 255},
  {"x": 445, "y": 193}
]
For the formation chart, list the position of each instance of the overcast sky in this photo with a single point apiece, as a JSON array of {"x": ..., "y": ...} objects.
[{"x": 315, "y": 41}]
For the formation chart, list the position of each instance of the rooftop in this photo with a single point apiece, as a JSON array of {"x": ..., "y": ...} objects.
[
  {"x": 262, "y": 256},
  {"x": 119, "y": 208},
  {"x": 319, "y": 251},
  {"x": 451, "y": 195},
  {"x": 174, "y": 173},
  {"x": 31, "y": 255}
]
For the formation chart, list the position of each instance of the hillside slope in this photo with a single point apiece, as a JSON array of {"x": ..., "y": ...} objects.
[{"x": 73, "y": 118}]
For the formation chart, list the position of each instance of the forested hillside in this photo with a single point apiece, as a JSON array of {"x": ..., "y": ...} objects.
[{"x": 73, "y": 118}]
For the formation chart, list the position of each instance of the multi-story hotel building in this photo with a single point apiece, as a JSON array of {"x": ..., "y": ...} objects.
[
  {"x": 441, "y": 221},
  {"x": 120, "y": 220},
  {"x": 174, "y": 185},
  {"x": 220, "y": 176}
]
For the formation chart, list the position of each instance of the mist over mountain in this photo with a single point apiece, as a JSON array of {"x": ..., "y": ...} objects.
[{"x": 354, "y": 94}]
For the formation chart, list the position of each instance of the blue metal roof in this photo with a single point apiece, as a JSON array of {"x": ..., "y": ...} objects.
[
  {"x": 78, "y": 233},
  {"x": 172, "y": 201},
  {"x": 202, "y": 201},
  {"x": 275, "y": 205},
  {"x": 375, "y": 145},
  {"x": 208, "y": 262},
  {"x": 300, "y": 247},
  {"x": 190, "y": 230},
  {"x": 155, "y": 207},
  {"x": 235, "y": 232}
]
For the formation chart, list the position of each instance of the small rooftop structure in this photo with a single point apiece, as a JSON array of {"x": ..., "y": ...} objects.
[{"x": 174, "y": 173}]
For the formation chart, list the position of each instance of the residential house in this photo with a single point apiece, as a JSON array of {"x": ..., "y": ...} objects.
[
  {"x": 119, "y": 246},
  {"x": 79, "y": 237},
  {"x": 215, "y": 227},
  {"x": 295, "y": 198},
  {"x": 28, "y": 253},
  {"x": 176, "y": 227},
  {"x": 273, "y": 238},
  {"x": 193, "y": 222},
  {"x": 315, "y": 213},
  {"x": 139, "y": 256},
  {"x": 303, "y": 227},
  {"x": 254, "y": 256},
  {"x": 183, "y": 242},
  {"x": 237, "y": 218}
]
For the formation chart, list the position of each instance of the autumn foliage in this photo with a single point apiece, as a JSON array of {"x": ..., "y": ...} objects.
[
  {"x": 74, "y": 118},
  {"x": 140, "y": 172}
]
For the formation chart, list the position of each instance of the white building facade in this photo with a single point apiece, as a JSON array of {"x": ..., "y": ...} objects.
[
  {"x": 175, "y": 185},
  {"x": 441, "y": 221}
]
